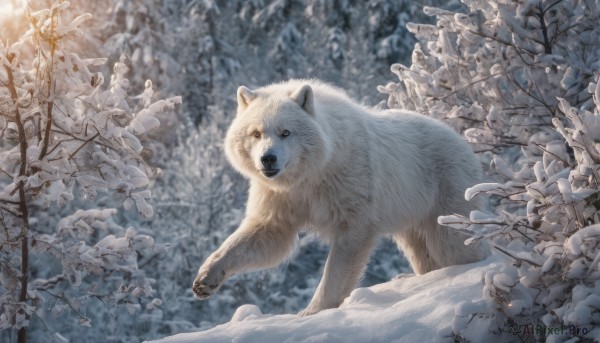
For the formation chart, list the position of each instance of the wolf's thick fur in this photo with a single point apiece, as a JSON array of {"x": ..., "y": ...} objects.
[{"x": 316, "y": 160}]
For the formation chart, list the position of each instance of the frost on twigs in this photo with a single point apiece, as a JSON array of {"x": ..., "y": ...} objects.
[
  {"x": 71, "y": 148},
  {"x": 520, "y": 80}
]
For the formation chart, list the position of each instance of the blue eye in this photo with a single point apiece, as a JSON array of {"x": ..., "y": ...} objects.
[{"x": 285, "y": 133}]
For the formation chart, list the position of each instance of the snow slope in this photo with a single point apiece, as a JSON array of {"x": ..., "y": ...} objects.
[{"x": 407, "y": 309}]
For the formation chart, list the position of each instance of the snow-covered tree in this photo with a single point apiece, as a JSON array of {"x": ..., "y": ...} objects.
[
  {"x": 520, "y": 80},
  {"x": 205, "y": 49},
  {"x": 67, "y": 140}
]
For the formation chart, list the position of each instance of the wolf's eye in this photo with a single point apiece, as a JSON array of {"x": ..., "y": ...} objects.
[
  {"x": 285, "y": 133},
  {"x": 256, "y": 134}
]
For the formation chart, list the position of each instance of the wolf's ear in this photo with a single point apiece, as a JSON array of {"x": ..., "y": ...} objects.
[
  {"x": 244, "y": 97},
  {"x": 304, "y": 98}
]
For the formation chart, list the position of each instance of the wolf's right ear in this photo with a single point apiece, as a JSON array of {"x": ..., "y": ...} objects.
[{"x": 244, "y": 97}]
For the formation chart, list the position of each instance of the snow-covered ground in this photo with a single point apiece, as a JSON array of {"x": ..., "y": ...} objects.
[{"x": 407, "y": 309}]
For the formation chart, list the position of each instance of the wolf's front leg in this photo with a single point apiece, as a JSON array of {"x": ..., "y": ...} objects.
[
  {"x": 254, "y": 245},
  {"x": 345, "y": 265}
]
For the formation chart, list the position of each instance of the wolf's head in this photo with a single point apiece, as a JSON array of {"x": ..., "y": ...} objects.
[{"x": 275, "y": 137}]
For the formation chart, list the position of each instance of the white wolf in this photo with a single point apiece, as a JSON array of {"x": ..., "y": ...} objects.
[{"x": 318, "y": 161}]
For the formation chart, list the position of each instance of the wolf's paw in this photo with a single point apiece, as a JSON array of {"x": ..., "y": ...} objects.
[
  {"x": 208, "y": 282},
  {"x": 318, "y": 304},
  {"x": 310, "y": 310},
  {"x": 307, "y": 312}
]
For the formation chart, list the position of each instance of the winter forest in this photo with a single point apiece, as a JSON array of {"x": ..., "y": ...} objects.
[{"x": 114, "y": 186}]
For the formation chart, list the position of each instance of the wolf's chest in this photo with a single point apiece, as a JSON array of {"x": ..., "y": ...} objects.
[{"x": 328, "y": 211}]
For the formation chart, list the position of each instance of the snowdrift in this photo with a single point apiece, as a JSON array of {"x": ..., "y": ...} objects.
[{"x": 407, "y": 309}]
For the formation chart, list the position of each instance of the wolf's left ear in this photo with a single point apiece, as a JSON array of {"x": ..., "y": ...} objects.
[
  {"x": 244, "y": 96},
  {"x": 304, "y": 98}
]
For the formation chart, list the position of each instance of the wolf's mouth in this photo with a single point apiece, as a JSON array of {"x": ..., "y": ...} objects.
[{"x": 270, "y": 172}]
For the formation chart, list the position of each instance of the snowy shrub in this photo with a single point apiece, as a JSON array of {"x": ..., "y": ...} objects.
[
  {"x": 67, "y": 141},
  {"x": 548, "y": 224},
  {"x": 520, "y": 81}
]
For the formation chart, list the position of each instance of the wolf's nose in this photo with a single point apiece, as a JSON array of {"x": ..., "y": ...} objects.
[{"x": 269, "y": 161}]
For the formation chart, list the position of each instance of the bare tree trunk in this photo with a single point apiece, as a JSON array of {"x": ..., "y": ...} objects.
[
  {"x": 50, "y": 97},
  {"x": 22, "y": 334}
]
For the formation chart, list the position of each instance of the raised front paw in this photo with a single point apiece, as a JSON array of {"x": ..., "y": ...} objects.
[{"x": 207, "y": 282}]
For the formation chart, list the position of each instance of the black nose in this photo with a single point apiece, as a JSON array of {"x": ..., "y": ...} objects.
[{"x": 269, "y": 161}]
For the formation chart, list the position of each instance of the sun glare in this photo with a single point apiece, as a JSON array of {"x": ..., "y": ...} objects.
[
  {"x": 9, "y": 8},
  {"x": 11, "y": 19}
]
